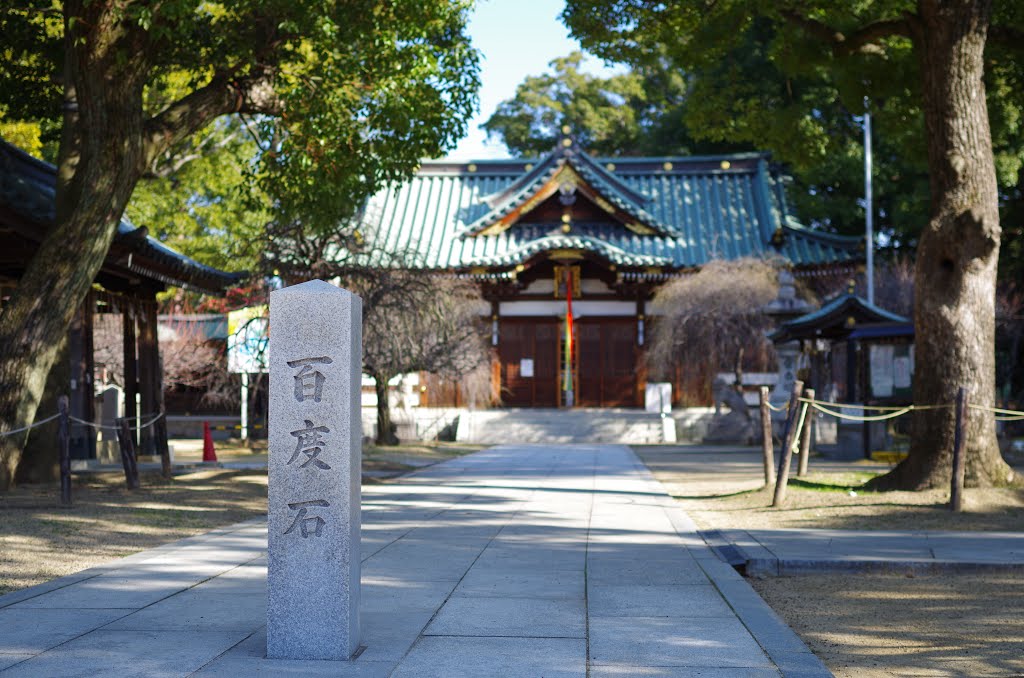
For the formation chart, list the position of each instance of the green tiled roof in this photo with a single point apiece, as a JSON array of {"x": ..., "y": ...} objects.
[
  {"x": 834, "y": 318},
  {"x": 698, "y": 209},
  {"x": 28, "y": 188}
]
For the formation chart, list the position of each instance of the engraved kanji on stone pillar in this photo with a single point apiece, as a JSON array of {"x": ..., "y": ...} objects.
[{"x": 314, "y": 472}]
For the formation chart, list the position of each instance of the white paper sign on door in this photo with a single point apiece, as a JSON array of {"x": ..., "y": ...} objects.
[{"x": 526, "y": 367}]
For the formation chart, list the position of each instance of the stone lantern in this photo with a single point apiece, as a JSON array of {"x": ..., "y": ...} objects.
[{"x": 786, "y": 306}]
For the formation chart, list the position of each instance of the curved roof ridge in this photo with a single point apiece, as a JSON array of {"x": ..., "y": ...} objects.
[
  {"x": 578, "y": 242},
  {"x": 609, "y": 187}
]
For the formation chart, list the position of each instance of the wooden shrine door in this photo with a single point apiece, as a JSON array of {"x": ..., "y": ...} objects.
[
  {"x": 606, "y": 362},
  {"x": 528, "y": 350}
]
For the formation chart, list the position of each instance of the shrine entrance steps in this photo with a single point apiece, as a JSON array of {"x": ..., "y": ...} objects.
[{"x": 552, "y": 426}]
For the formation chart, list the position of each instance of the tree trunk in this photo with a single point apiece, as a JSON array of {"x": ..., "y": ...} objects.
[
  {"x": 385, "y": 434},
  {"x": 100, "y": 161},
  {"x": 955, "y": 273},
  {"x": 737, "y": 369}
]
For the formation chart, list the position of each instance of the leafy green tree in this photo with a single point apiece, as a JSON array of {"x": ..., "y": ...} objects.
[
  {"x": 924, "y": 64},
  {"x": 343, "y": 97},
  {"x": 198, "y": 200},
  {"x": 632, "y": 113}
]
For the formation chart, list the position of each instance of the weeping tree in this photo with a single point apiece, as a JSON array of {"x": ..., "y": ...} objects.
[
  {"x": 341, "y": 97},
  {"x": 713, "y": 314}
]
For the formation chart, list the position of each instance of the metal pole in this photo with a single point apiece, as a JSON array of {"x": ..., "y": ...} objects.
[
  {"x": 245, "y": 406},
  {"x": 869, "y": 207}
]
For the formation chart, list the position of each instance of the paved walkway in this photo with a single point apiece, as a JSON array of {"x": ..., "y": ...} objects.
[
  {"x": 786, "y": 552},
  {"x": 516, "y": 561}
]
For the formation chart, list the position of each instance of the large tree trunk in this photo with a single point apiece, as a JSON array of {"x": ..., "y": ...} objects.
[
  {"x": 385, "y": 434},
  {"x": 100, "y": 161},
  {"x": 955, "y": 274}
]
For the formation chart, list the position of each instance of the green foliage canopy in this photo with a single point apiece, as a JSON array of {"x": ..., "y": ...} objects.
[
  {"x": 761, "y": 75},
  {"x": 343, "y": 96}
]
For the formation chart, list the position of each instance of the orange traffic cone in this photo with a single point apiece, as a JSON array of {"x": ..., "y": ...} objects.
[{"x": 209, "y": 453}]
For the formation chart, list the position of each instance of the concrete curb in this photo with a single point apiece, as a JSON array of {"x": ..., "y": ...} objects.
[
  {"x": 795, "y": 566},
  {"x": 782, "y": 645}
]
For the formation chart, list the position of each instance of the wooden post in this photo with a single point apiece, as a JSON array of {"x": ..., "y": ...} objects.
[
  {"x": 767, "y": 443},
  {"x": 131, "y": 364},
  {"x": 126, "y": 441},
  {"x": 149, "y": 375},
  {"x": 160, "y": 427},
  {"x": 805, "y": 436},
  {"x": 64, "y": 449},
  {"x": 956, "y": 490},
  {"x": 787, "y": 444}
]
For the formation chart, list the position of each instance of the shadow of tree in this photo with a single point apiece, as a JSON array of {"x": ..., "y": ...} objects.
[{"x": 894, "y": 625}]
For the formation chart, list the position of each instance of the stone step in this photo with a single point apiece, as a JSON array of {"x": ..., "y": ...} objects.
[{"x": 564, "y": 426}]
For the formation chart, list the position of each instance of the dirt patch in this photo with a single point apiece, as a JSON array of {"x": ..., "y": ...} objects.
[
  {"x": 892, "y": 625},
  {"x": 724, "y": 488},
  {"x": 40, "y": 541}
]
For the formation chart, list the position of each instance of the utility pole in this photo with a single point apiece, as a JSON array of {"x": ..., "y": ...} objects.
[{"x": 869, "y": 207}]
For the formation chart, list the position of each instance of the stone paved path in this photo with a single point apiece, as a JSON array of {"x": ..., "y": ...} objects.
[{"x": 517, "y": 561}]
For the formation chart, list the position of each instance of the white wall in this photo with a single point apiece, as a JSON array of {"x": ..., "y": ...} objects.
[{"x": 580, "y": 308}]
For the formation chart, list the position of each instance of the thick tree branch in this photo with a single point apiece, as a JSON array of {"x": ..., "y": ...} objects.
[
  {"x": 253, "y": 93},
  {"x": 169, "y": 163},
  {"x": 864, "y": 40}
]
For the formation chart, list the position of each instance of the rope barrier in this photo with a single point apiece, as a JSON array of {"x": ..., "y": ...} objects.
[
  {"x": 773, "y": 408},
  {"x": 892, "y": 411},
  {"x": 1007, "y": 415},
  {"x": 29, "y": 427},
  {"x": 115, "y": 427},
  {"x": 881, "y": 408},
  {"x": 854, "y": 417},
  {"x": 799, "y": 427}
]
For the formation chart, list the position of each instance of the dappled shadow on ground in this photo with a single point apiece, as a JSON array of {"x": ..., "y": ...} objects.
[
  {"x": 894, "y": 625},
  {"x": 724, "y": 488},
  {"x": 40, "y": 541}
]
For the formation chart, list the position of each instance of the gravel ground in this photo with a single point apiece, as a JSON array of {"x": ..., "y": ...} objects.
[
  {"x": 869, "y": 626},
  {"x": 866, "y": 625}
]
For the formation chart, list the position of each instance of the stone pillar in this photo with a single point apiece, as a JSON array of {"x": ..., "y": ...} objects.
[
  {"x": 788, "y": 355},
  {"x": 315, "y": 437},
  {"x": 786, "y": 306}
]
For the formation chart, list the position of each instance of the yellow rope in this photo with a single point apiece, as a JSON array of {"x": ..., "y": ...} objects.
[
  {"x": 773, "y": 408},
  {"x": 853, "y": 417},
  {"x": 1009, "y": 415},
  {"x": 881, "y": 408},
  {"x": 794, "y": 446}
]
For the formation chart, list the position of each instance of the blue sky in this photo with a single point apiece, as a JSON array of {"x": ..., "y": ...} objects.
[{"x": 516, "y": 38}]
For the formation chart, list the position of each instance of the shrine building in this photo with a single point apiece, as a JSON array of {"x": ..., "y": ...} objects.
[{"x": 594, "y": 235}]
